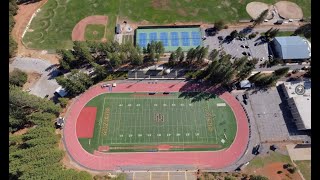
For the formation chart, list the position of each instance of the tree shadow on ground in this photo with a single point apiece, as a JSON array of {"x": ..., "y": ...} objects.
[{"x": 197, "y": 91}]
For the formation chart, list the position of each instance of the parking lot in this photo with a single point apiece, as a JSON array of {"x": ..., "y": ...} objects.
[
  {"x": 273, "y": 120},
  {"x": 237, "y": 48}
]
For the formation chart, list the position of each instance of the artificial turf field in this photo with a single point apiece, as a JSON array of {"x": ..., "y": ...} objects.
[
  {"x": 53, "y": 25},
  {"x": 140, "y": 122}
]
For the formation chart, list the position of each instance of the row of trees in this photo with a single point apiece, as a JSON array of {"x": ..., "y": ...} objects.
[
  {"x": 221, "y": 70},
  {"x": 154, "y": 50},
  {"x": 194, "y": 55},
  {"x": 268, "y": 80},
  {"x": 109, "y": 54},
  {"x": 35, "y": 154},
  {"x": 13, "y": 8}
]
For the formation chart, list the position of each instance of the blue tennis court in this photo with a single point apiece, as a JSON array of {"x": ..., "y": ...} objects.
[
  {"x": 164, "y": 38},
  {"x": 171, "y": 37},
  {"x": 152, "y": 37},
  {"x": 185, "y": 38},
  {"x": 196, "y": 38},
  {"x": 143, "y": 39},
  {"x": 174, "y": 39}
]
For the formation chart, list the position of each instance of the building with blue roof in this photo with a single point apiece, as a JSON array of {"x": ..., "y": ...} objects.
[{"x": 291, "y": 48}]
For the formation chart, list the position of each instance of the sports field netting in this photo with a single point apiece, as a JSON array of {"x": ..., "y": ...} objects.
[
  {"x": 138, "y": 121},
  {"x": 171, "y": 38}
]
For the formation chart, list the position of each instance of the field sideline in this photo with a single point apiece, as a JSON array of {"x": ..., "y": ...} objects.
[
  {"x": 144, "y": 120},
  {"x": 52, "y": 27}
]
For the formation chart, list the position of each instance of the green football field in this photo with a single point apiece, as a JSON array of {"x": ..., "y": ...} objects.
[{"x": 140, "y": 122}]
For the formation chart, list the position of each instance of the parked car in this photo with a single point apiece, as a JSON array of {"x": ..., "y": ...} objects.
[
  {"x": 245, "y": 101},
  {"x": 256, "y": 149}
]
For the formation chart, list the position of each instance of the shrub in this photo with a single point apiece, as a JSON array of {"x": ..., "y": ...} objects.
[
  {"x": 279, "y": 172},
  {"x": 63, "y": 102},
  {"x": 292, "y": 170},
  {"x": 258, "y": 177},
  {"x": 18, "y": 77},
  {"x": 253, "y": 35}
]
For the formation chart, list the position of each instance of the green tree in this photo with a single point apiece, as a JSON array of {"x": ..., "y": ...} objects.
[
  {"x": 258, "y": 177},
  {"x": 281, "y": 72},
  {"x": 67, "y": 59},
  {"x": 172, "y": 59},
  {"x": 190, "y": 55},
  {"x": 267, "y": 33},
  {"x": 181, "y": 58},
  {"x": 219, "y": 25},
  {"x": 261, "y": 17},
  {"x": 136, "y": 58},
  {"x": 213, "y": 54},
  {"x": 75, "y": 83},
  {"x": 305, "y": 30},
  {"x": 178, "y": 52},
  {"x": 115, "y": 60},
  {"x": 234, "y": 34},
  {"x": 201, "y": 54},
  {"x": 18, "y": 77},
  {"x": 273, "y": 33},
  {"x": 12, "y": 47},
  {"x": 63, "y": 102},
  {"x": 159, "y": 48},
  {"x": 81, "y": 51}
]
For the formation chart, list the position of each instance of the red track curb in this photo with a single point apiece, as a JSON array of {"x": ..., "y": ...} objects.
[{"x": 114, "y": 161}]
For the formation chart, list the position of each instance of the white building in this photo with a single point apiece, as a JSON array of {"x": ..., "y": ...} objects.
[
  {"x": 300, "y": 105},
  {"x": 291, "y": 48}
]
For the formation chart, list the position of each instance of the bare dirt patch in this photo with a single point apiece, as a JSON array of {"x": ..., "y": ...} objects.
[
  {"x": 79, "y": 29},
  {"x": 254, "y": 9},
  {"x": 271, "y": 170},
  {"x": 22, "y": 18},
  {"x": 95, "y": 32},
  {"x": 289, "y": 10},
  {"x": 33, "y": 77},
  {"x": 161, "y": 4},
  {"x": 21, "y": 131}
]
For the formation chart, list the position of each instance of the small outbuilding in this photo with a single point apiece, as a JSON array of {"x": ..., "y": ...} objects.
[
  {"x": 61, "y": 91},
  {"x": 245, "y": 84}
]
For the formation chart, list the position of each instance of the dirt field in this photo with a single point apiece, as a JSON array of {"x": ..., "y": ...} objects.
[
  {"x": 79, "y": 29},
  {"x": 271, "y": 170},
  {"x": 33, "y": 77},
  {"x": 289, "y": 10},
  {"x": 22, "y": 18}
]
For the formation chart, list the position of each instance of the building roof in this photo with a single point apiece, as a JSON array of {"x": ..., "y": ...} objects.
[
  {"x": 302, "y": 102},
  {"x": 61, "y": 91},
  {"x": 245, "y": 84},
  {"x": 294, "y": 47}
]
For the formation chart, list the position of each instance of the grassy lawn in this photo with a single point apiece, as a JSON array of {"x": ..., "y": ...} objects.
[
  {"x": 94, "y": 32},
  {"x": 52, "y": 27},
  {"x": 261, "y": 161},
  {"x": 141, "y": 119},
  {"x": 127, "y": 39},
  {"x": 305, "y": 168},
  {"x": 285, "y": 33}
]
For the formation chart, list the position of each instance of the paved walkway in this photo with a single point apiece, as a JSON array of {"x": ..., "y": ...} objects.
[{"x": 154, "y": 160}]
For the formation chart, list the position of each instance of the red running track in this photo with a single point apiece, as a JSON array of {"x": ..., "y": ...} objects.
[{"x": 113, "y": 161}]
